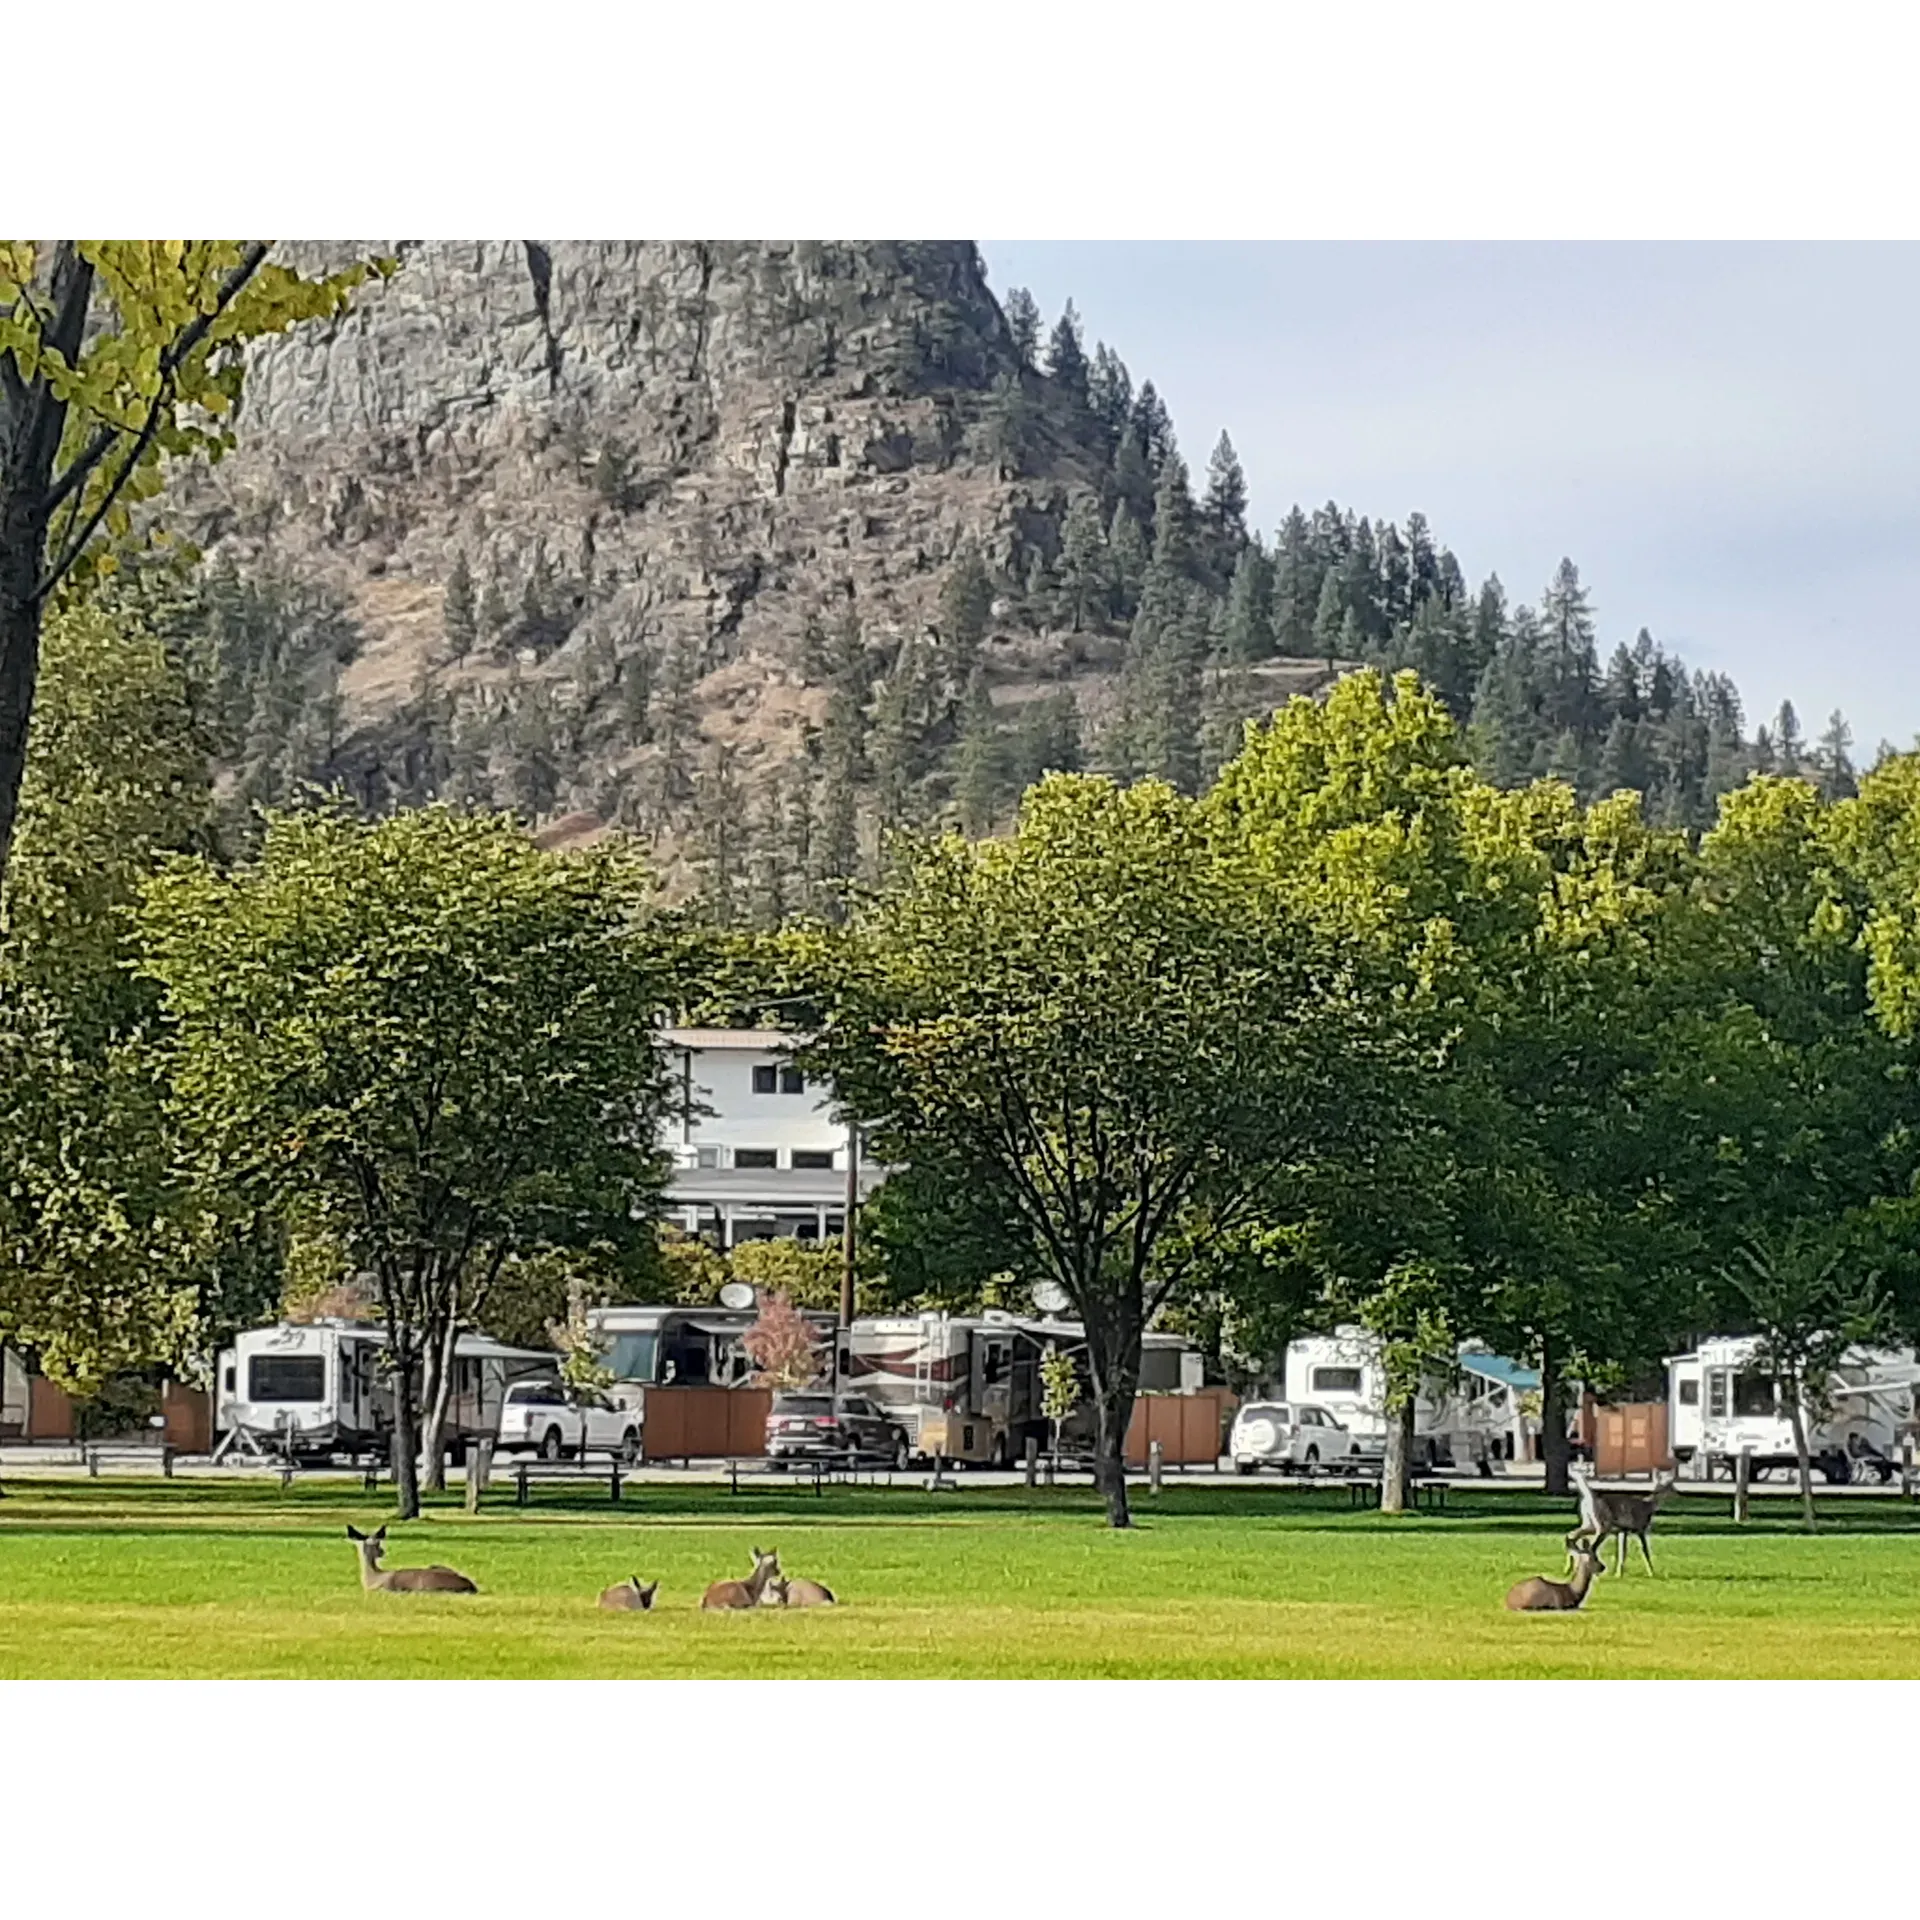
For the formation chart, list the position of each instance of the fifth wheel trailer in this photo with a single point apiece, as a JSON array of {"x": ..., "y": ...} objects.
[{"x": 1721, "y": 1404}]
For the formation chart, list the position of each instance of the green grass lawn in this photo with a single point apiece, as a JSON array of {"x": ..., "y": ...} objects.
[{"x": 187, "y": 1579}]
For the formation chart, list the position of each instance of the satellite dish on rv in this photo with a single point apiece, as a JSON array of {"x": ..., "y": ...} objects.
[
  {"x": 737, "y": 1295},
  {"x": 1050, "y": 1296}
]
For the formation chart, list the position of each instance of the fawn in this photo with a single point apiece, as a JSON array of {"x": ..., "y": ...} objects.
[
  {"x": 799, "y": 1593},
  {"x": 630, "y": 1596},
  {"x": 1619, "y": 1514},
  {"x": 402, "y": 1579},
  {"x": 726, "y": 1596},
  {"x": 1556, "y": 1596}
]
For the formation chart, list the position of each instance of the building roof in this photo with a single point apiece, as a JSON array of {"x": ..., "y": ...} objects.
[
  {"x": 1509, "y": 1373},
  {"x": 731, "y": 1039},
  {"x": 775, "y": 1187}
]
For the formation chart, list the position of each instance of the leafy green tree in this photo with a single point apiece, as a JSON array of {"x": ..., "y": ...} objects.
[
  {"x": 116, "y": 356},
  {"x": 433, "y": 1039},
  {"x": 1085, "y": 1028},
  {"x": 105, "y": 1256}
]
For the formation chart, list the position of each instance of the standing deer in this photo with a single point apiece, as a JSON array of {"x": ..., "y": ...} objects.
[
  {"x": 1556, "y": 1596},
  {"x": 798, "y": 1593},
  {"x": 402, "y": 1579},
  {"x": 630, "y": 1596},
  {"x": 726, "y": 1596},
  {"x": 1611, "y": 1512}
]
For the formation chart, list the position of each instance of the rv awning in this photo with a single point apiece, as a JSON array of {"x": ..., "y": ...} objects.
[{"x": 1509, "y": 1373}]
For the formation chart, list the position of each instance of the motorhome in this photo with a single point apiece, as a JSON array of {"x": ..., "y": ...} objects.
[
  {"x": 967, "y": 1387},
  {"x": 1479, "y": 1417},
  {"x": 1720, "y": 1404},
  {"x": 15, "y": 1394},
  {"x": 319, "y": 1389},
  {"x": 654, "y": 1346}
]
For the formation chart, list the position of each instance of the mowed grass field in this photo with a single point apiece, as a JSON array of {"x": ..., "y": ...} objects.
[{"x": 138, "y": 1580}]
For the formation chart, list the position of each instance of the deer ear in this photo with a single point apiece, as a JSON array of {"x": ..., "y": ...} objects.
[
  {"x": 354, "y": 1533},
  {"x": 379, "y": 1532}
]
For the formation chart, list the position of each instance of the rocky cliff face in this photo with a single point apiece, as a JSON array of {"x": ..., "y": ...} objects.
[{"x": 588, "y": 513}]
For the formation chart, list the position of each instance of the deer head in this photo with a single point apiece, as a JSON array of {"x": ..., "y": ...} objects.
[{"x": 372, "y": 1545}]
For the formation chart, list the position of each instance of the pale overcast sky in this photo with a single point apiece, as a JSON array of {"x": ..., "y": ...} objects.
[{"x": 1725, "y": 438}]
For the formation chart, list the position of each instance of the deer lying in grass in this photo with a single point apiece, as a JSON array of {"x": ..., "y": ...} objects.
[
  {"x": 1556, "y": 1596},
  {"x": 798, "y": 1593},
  {"x": 630, "y": 1596},
  {"x": 402, "y": 1579},
  {"x": 726, "y": 1596},
  {"x": 1613, "y": 1512}
]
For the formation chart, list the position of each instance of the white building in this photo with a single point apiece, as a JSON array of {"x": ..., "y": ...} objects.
[{"x": 760, "y": 1154}]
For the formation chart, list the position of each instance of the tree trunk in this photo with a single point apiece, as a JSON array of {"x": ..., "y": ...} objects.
[
  {"x": 406, "y": 1440},
  {"x": 1396, "y": 1464},
  {"x": 1112, "y": 1411},
  {"x": 1555, "y": 1450},
  {"x": 439, "y": 1392},
  {"x": 1797, "y": 1415},
  {"x": 32, "y": 420}
]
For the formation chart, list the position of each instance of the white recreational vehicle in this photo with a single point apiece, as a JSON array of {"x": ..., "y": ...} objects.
[
  {"x": 320, "y": 1389},
  {"x": 1479, "y": 1417},
  {"x": 683, "y": 1346},
  {"x": 15, "y": 1394},
  {"x": 1720, "y": 1405},
  {"x": 968, "y": 1386}
]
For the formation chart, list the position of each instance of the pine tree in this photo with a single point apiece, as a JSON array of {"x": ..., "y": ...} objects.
[
  {"x": 1045, "y": 739},
  {"x": 1009, "y": 425},
  {"x": 979, "y": 773},
  {"x": 1427, "y": 578},
  {"x": 1173, "y": 520},
  {"x": 966, "y": 609},
  {"x": 1622, "y": 761},
  {"x": 1023, "y": 323},
  {"x": 896, "y": 730},
  {"x": 1620, "y": 690},
  {"x": 1127, "y": 559},
  {"x": 635, "y": 683},
  {"x": 1789, "y": 743},
  {"x": 1133, "y": 474},
  {"x": 1296, "y": 589},
  {"x": 1330, "y": 620},
  {"x": 1247, "y": 629},
  {"x": 460, "y": 617},
  {"x": 1835, "y": 757},
  {"x": 495, "y": 614},
  {"x": 1396, "y": 578},
  {"x": 1569, "y": 666},
  {"x": 1084, "y": 591},
  {"x": 1155, "y": 426},
  {"x": 1224, "y": 509},
  {"x": 718, "y": 835},
  {"x": 1110, "y": 394},
  {"x": 1066, "y": 356}
]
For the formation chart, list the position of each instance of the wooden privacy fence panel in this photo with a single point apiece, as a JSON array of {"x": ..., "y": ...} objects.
[
  {"x": 49, "y": 1411},
  {"x": 1187, "y": 1425},
  {"x": 704, "y": 1423},
  {"x": 1631, "y": 1439},
  {"x": 189, "y": 1416}
]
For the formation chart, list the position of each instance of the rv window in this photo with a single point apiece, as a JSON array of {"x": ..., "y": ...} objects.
[
  {"x": 1336, "y": 1379},
  {"x": 812, "y": 1160},
  {"x": 631, "y": 1356},
  {"x": 275, "y": 1377},
  {"x": 802, "y": 1403},
  {"x": 757, "y": 1157},
  {"x": 1689, "y": 1393},
  {"x": 536, "y": 1393},
  {"x": 765, "y": 1079},
  {"x": 706, "y": 1159},
  {"x": 226, "y": 1379},
  {"x": 1717, "y": 1394},
  {"x": 1753, "y": 1395}
]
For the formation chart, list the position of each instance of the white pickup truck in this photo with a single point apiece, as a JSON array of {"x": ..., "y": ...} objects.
[{"x": 556, "y": 1422}]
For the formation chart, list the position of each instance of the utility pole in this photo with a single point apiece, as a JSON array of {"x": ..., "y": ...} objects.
[{"x": 849, "y": 1233}]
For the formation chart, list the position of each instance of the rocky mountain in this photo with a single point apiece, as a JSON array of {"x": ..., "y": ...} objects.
[{"x": 752, "y": 548}]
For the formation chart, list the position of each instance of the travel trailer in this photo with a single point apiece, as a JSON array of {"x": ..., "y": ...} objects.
[
  {"x": 1479, "y": 1418},
  {"x": 1720, "y": 1405},
  {"x": 968, "y": 1387},
  {"x": 319, "y": 1389}
]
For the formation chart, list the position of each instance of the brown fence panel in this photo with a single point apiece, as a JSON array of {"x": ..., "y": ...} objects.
[
  {"x": 1631, "y": 1439},
  {"x": 189, "y": 1416},
  {"x": 1187, "y": 1425},
  {"x": 49, "y": 1411},
  {"x": 704, "y": 1423}
]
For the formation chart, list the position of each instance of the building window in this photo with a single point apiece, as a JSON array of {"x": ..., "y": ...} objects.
[
  {"x": 758, "y": 1158},
  {"x": 792, "y": 1080},
  {"x": 812, "y": 1160},
  {"x": 708, "y": 1157},
  {"x": 766, "y": 1079},
  {"x": 1689, "y": 1393}
]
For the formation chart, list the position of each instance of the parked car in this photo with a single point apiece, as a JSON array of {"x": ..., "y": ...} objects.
[
  {"x": 822, "y": 1426},
  {"x": 545, "y": 1417},
  {"x": 1270, "y": 1433}
]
